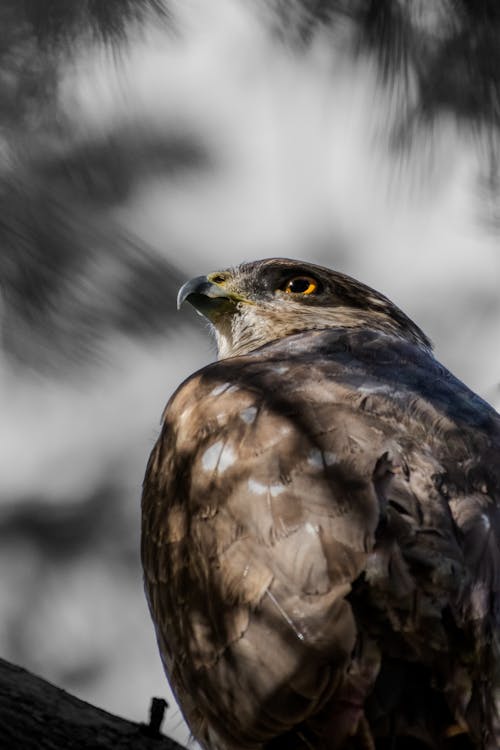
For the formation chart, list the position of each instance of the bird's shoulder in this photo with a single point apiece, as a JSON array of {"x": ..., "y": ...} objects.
[{"x": 334, "y": 364}]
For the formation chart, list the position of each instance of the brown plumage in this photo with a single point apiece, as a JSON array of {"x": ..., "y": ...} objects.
[{"x": 321, "y": 526}]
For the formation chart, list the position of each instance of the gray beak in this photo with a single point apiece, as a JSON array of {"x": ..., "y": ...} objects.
[{"x": 206, "y": 297}]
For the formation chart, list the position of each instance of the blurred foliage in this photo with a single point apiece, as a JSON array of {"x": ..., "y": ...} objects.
[
  {"x": 447, "y": 51},
  {"x": 63, "y": 21},
  {"x": 69, "y": 275},
  {"x": 69, "y": 278},
  {"x": 37, "y": 35}
]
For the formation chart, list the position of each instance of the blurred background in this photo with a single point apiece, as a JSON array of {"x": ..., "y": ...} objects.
[{"x": 143, "y": 142}]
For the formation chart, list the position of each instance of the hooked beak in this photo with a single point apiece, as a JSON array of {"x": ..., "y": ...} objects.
[{"x": 207, "y": 298}]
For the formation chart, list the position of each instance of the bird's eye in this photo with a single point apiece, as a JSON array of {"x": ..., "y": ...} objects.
[
  {"x": 300, "y": 285},
  {"x": 217, "y": 278}
]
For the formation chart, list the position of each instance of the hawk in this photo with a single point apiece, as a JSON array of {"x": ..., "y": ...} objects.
[{"x": 321, "y": 526}]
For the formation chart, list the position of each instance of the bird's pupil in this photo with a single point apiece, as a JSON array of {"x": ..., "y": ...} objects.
[{"x": 299, "y": 285}]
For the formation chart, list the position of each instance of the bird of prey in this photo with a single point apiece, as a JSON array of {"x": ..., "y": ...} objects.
[{"x": 321, "y": 526}]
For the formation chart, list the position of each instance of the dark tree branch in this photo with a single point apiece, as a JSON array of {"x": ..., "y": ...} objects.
[{"x": 35, "y": 715}]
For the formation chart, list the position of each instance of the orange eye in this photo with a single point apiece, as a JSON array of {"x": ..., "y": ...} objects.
[{"x": 300, "y": 285}]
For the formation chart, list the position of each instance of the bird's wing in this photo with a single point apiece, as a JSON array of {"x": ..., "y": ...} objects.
[{"x": 295, "y": 532}]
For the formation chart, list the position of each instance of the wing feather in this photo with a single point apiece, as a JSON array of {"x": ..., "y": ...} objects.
[{"x": 299, "y": 540}]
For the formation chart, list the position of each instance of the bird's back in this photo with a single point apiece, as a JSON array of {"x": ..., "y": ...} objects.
[{"x": 321, "y": 538}]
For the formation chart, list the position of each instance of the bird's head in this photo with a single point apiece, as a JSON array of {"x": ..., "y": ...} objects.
[{"x": 255, "y": 303}]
